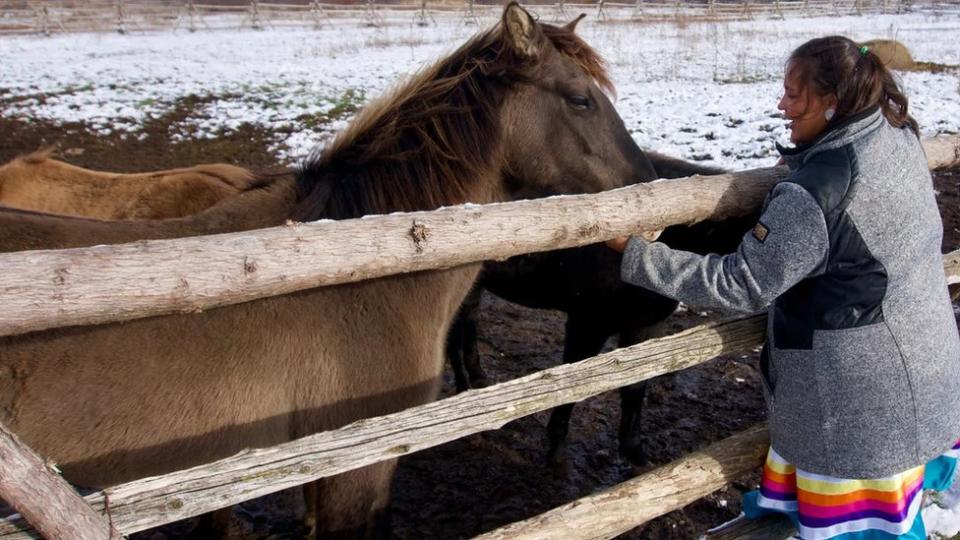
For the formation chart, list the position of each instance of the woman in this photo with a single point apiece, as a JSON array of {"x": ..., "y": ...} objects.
[{"x": 861, "y": 366}]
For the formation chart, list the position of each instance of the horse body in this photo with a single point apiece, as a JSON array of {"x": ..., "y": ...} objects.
[
  {"x": 123, "y": 400},
  {"x": 37, "y": 182},
  {"x": 173, "y": 414}
]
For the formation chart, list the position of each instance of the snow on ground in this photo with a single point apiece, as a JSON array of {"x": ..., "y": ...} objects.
[
  {"x": 943, "y": 516},
  {"x": 704, "y": 91}
]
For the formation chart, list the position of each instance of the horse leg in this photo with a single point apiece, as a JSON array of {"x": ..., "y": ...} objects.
[
  {"x": 455, "y": 352},
  {"x": 631, "y": 408},
  {"x": 354, "y": 504},
  {"x": 471, "y": 355},
  {"x": 462, "y": 345},
  {"x": 214, "y": 524},
  {"x": 632, "y": 397},
  {"x": 310, "y": 496},
  {"x": 583, "y": 338}
]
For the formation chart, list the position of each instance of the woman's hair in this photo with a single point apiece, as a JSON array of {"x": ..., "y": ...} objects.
[{"x": 837, "y": 65}]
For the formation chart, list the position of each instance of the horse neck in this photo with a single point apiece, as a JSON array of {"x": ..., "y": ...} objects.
[{"x": 435, "y": 141}]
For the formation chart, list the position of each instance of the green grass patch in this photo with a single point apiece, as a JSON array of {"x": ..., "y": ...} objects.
[{"x": 343, "y": 105}]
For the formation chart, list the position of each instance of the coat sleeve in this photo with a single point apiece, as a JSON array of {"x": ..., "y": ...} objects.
[{"x": 789, "y": 243}]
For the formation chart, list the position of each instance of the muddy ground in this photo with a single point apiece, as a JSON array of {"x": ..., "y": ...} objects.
[{"x": 484, "y": 481}]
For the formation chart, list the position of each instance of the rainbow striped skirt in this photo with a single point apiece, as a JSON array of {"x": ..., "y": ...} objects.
[{"x": 845, "y": 509}]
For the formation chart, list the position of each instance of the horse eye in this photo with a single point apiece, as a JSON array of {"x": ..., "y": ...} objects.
[{"x": 579, "y": 102}]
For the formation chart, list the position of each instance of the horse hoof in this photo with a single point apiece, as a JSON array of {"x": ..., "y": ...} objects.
[
  {"x": 481, "y": 382},
  {"x": 558, "y": 464},
  {"x": 634, "y": 454},
  {"x": 556, "y": 458}
]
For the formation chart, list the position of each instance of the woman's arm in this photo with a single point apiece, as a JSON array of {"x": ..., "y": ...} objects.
[{"x": 789, "y": 243}]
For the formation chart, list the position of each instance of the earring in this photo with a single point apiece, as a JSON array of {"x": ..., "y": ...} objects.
[{"x": 828, "y": 114}]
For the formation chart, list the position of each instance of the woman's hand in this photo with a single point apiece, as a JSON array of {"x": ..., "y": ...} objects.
[{"x": 620, "y": 244}]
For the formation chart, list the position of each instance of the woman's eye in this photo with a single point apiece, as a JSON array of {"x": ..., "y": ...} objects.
[{"x": 579, "y": 102}]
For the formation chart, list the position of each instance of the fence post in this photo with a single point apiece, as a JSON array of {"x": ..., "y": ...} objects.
[
  {"x": 373, "y": 18},
  {"x": 470, "y": 16},
  {"x": 43, "y": 20},
  {"x": 191, "y": 16},
  {"x": 316, "y": 11},
  {"x": 423, "y": 16},
  {"x": 121, "y": 18},
  {"x": 255, "y": 15},
  {"x": 45, "y": 499}
]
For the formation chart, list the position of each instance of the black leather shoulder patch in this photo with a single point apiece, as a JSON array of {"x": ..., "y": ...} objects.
[{"x": 827, "y": 177}]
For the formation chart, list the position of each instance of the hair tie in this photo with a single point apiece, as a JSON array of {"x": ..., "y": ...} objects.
[{"x": 864, "y": 50}]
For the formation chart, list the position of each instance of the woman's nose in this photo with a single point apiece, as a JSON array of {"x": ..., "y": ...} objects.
[{"x": 780, "y": 104}]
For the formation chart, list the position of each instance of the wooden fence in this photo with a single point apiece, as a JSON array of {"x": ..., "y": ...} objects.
[
  {"x": 58, "y": 16},
  {"x": 37, "y": 293}
]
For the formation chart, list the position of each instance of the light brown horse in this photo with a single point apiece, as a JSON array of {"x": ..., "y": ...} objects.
[
  {"x": 516, "y": 111},
  {"x": 38, "y": 182}
]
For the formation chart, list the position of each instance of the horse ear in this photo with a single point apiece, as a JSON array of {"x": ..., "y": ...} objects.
[
  {"x": 572, "y": 25},
  {"x": 522, "y": 32}
]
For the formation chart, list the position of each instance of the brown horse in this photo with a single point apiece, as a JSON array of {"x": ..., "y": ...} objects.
[
  {"x": 516, "y": 111},
  {"x": 40, "y": 183}
]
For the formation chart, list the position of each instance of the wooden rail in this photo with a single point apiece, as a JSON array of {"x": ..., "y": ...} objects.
[
  {"x": 650, "y": 495},
  {"x": 45, "y": 289},
  {"x": 43, "y": 497}
]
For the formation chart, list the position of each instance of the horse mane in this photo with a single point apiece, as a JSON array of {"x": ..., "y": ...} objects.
[
  {"x": 426, "y": 142},
  {"x": 581, "y": 53}
]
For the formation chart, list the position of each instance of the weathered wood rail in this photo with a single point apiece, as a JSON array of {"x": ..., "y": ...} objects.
[
  {"x": 438, "y": 241},
  {"x": 44, "y": 289},
  {"x": 45, "y": 498},
  {"x": 664, "y": 489}
]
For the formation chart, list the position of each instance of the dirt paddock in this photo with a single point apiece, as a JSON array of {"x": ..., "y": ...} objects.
[{"x": 478, "y": 483}]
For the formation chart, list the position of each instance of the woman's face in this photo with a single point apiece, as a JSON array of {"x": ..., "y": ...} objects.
[{"x": 805, "y": 110}]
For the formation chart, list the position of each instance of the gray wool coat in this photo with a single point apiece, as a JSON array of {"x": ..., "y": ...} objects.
[{"x": 861, "y": 366}]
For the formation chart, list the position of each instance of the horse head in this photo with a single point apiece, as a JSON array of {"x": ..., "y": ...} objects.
[
  {"x": 518, "y": 111},
  {"x": 561, "y": 133}
]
